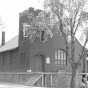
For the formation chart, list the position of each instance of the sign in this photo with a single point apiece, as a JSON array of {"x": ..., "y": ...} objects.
[{"x": 48, "y": 60}]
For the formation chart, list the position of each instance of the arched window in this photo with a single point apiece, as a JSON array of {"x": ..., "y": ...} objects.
[{"x": 60, "y": 57}]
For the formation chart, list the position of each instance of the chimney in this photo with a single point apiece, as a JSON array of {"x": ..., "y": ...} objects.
[{"x": 3, "y": 38}]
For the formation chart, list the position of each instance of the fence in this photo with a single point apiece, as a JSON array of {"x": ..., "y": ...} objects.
[{"x": 52, "y": 80}]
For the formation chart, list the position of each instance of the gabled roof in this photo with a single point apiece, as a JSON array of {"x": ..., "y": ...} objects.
[
  {"x": 13, "y": 44},
  {"x": 10, "y": 45}
]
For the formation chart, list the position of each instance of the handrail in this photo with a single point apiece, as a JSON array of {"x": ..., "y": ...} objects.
[
  {"x": 22, "y": 73},
  {"x": 34, "y": 81},
  {"x": 44, "y": 79},
  {"x": 30, "y": 72},
  {"x": 37, "y": 79}
]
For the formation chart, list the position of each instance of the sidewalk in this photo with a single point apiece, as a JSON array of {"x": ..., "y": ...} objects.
[{"x": 10, "y": 85}]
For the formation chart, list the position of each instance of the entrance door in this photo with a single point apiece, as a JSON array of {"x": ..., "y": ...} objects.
[{"x": 37, "y": 63}]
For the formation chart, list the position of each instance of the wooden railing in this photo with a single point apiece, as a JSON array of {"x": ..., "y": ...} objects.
[{"x": 41, "y": 79}]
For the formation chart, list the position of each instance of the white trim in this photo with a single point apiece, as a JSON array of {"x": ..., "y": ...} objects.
[
  {"x": 26, "y": 27},
  {"x": 47, "y": 60},
  {"x": 60, "y": 57}
]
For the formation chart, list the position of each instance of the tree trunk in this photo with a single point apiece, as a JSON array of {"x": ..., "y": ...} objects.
[
  {"x": 65, "y": 39},
  {"x": 73, "y": 64},
  {"x": 84, "y": 65},
  {"x": 66, "y": 51},
  {"x": 73, "y": 77}
]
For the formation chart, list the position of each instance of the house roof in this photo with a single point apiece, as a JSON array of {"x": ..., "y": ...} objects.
[
  {"x": 10, "y": 45},
  {"x": 13, "y": 44}
]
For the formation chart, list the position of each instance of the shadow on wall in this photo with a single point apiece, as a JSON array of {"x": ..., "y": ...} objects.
[{"x": 37, "y": 63}]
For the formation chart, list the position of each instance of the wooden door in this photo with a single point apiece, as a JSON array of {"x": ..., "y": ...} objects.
[{"x": 37, "y": 64}]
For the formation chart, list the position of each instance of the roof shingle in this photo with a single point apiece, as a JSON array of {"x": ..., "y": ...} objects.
[{"x": 10, "y": 45}]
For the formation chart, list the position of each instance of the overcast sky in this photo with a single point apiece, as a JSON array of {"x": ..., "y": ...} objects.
[{"x": 9, "y": 14}]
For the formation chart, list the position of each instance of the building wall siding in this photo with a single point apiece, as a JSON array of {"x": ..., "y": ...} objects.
[
  {"x": 47, "y": 49},
  {"x": 10, "y": 61},
  {"x": 31, "y": 55}
]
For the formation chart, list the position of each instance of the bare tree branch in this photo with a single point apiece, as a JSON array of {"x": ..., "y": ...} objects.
[
  {"x": 83, "y": 50},
  {"x": 75, "y": 16},
  {"x": 76, "y": 27}
]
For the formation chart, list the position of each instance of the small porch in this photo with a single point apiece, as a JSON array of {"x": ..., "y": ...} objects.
[{"x": 39, "y": 79}]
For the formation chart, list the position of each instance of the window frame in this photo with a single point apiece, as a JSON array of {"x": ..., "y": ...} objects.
[
  {"x": 60, "y": 57},
  {"x": 26, "y": 27}
]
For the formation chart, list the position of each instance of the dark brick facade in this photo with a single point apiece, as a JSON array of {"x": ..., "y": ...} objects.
[
  {"x": 9, "y": 60},
  {"x": 32, "y": 55}
]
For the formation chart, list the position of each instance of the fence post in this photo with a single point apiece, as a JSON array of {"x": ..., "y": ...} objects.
[
  {"x": 51, "y": 80},
  {"x": 42, "y": 81}
]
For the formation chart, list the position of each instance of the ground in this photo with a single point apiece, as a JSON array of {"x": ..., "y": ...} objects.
[
  {"x": 4, "y": 85},
  {"x": 8, "y": 85}
]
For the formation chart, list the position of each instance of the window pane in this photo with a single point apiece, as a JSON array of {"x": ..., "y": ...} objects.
[
  {"x": 58, "y": 61},
  {"x": 29, "y": 31},
  {"x": 42, "y": 35},
  {"x": 64, "y": 62},
  {"x": 64, "y": 56},
  {"x": 26, "y": 29},
  {"x": 60, "y": 57},
  {"x": 61, "y": 62},
  {"x": 55, "y": 55}
]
